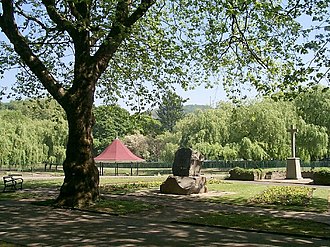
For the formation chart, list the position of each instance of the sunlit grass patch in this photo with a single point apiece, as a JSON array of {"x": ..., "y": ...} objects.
[
  {"x": 135, "y": 179},
  {"x": 284, "y": 195},
  {"x": 121, "y": 189},
  {"x": 243, "y": 194},
  {"x": 44, "y": 183},
  {"x": 265, "y": 223},
  {"x": 240, "y": 192}
]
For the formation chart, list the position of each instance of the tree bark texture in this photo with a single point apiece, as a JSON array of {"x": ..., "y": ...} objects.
[{"x": 81, "y": 183}]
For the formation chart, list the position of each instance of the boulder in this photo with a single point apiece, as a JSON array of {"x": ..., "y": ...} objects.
[
  {"x": 184, "y": 185},
  {"x": 187, "y": 163}
]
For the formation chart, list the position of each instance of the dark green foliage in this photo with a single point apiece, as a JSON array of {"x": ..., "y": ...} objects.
[
  {"x": 170, "y": 110},
  {"x": 322, "y": 176},
  {"x": 110, "y": 122},
  {"x": 146, "y": 124},
  {"x": 285, "y": 195},
  {"x": 114, "y": 121}
]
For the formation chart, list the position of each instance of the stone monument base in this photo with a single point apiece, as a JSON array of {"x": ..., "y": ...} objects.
[
  {"x": 184, "y": 185},
  {"x": 293, "y": 170}
]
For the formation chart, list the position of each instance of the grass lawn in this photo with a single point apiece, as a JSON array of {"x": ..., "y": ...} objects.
[
  {"x": 44, "y": 191},
  {"x": 121, "y": 207},
  {"x": 240, "y": 193},
  {"x": 111, "y": 206},
  {"x": 38, "y": 191},
  {"x": 135, "y": 179},
  {"x": 243, "y": 192}
]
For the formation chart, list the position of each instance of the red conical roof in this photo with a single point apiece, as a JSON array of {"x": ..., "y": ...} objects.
[{"x": 117, "y": 152}]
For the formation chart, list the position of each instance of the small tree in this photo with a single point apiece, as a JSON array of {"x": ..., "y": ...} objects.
[
  {"x": 111, "y": 122},
  {"x": 138, "y": 144},
  {"x": 170, "y": 110}
]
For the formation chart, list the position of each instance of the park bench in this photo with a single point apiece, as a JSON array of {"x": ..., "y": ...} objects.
[{"x": 14, "y": 182}]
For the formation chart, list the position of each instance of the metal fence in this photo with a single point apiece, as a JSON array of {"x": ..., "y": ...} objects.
[
  {"x": 220, "y": 165},
  {"x": 152, "y": 168},
  {"x": 265, "y": 164},
  {"x": 134, "y": 168}
]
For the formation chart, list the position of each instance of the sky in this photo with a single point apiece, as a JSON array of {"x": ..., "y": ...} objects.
[
  {"x": 202, "y": 96},
  {"x": 199, "y": 96}
]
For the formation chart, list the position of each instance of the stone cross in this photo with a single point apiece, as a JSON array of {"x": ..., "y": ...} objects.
[{"x": 293, "y": 132}]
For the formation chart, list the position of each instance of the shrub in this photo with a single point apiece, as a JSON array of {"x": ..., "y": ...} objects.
[
  {"x": 245, "y": 174},
  {"x": 322, "y": 176},
  {"x": 284, "y": 195}
]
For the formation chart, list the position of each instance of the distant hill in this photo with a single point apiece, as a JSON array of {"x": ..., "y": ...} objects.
[
  {"x": 187, "y": 109},
  {"x": 192, "y": 108}
]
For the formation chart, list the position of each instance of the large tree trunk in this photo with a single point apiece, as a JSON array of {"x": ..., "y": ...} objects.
[{"x": 81, "y": 183}]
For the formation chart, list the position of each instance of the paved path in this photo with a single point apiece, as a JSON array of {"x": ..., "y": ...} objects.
[
  {"x": 22, "y": 223},
  {"x": 25, "y": 224},
  {"x": 179, "y": 206}
]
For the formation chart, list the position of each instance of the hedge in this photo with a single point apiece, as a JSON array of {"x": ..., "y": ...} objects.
[
  {"x": 322, "y": 176},
  {"x": 245, "y": 174}
]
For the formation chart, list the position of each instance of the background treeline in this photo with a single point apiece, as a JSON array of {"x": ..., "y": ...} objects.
[
  {"x": 31, "y": 132},
  {"x": 35, "y": 131}
]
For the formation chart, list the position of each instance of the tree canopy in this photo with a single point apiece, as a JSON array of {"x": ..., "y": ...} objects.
[
  {"x": 262, "y": 43},
  {"x": 32, "y": 132},
  {"x": 256, "y": 130}
]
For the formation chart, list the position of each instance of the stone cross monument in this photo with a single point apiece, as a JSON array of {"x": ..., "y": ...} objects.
[
  {"x": 293, "y": 132},
  {"x": 293, "y": 170}
]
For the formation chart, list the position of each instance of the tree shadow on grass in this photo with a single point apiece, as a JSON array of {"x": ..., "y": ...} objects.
[
  {"x": 262, "y": 223},
  {"x": 26, "y": 224},
  {"x": 315, "y": 205}
]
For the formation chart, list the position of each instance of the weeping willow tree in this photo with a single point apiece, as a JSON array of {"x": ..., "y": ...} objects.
[
  {"x": 28, "y": 139},
  {"x": 75, "y": 50}
]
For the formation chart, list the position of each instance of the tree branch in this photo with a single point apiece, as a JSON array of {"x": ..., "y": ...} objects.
[
  {"x": 294, "y": 8},
  {"x": 78, "y": 30},
  {"x": 80, "y": 9},
  {"x": 246, "y": 43},
  {"x": 74, "y": 11},
  {"x": 9, "y": 27},
  {"x": 61, "y": 22},
  {"x": 139, "y": 12},
  {"x": 118, "y": 32},
  {"x": 122, "y": 11},
  {"x": 29, "y": 17}
]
